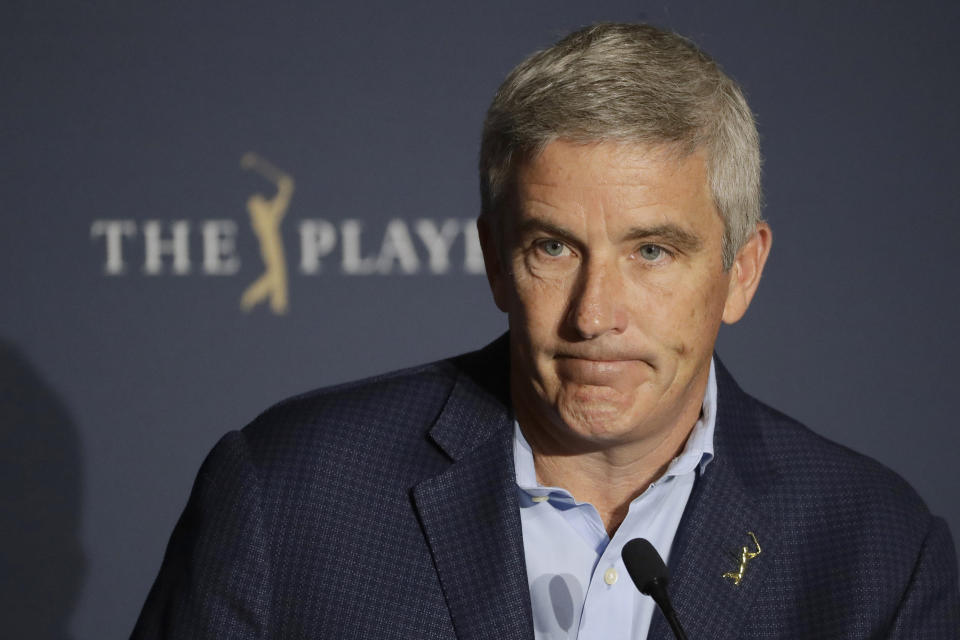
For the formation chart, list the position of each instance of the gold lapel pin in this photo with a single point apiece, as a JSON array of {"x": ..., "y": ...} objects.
[{"x": 745, "y": 556}]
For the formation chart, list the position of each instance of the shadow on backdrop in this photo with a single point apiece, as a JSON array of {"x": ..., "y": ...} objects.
[{"x": 41, "y": 561}]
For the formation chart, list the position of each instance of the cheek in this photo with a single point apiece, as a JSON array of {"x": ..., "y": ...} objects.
[
  {"x": 704, "y": 316},
  {"x": 683, "y": 316}
]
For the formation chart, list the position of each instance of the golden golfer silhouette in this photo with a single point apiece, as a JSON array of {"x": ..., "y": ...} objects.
[
  {"x": 265, "y": 217},
  {"x": 745, "y": 556}
]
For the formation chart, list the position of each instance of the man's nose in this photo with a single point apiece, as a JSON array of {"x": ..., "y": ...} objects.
[{"x": 599, "y": 305}]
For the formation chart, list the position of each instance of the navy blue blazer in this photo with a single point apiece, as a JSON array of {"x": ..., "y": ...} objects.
[{"x": 388, "y": 508}]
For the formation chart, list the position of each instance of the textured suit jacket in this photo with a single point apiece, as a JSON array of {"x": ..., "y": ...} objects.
[{"x": 388, "y": 508}]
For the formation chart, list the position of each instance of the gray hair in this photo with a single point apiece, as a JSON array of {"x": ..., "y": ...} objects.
[{"x": 630, "y": 83}]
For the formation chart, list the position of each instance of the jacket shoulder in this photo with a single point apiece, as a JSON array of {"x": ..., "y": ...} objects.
[
  {"x": 379, "y": 411},
  {"x": 773, "y": 451},
  {"x": 390, "y": 408},
  {"x": 805, "y": 458}
]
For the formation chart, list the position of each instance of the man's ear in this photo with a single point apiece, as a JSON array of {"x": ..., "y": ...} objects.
[
  {"x": 745, "y": 273},
  {"x": 493, "y": 263}
]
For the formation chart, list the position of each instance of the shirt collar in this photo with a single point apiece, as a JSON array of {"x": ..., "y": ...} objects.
[{"x": 696, "y": 454}]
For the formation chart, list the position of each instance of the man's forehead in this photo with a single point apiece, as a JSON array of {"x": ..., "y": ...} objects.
[
  {"x": 612, "y": 177},
  {"x": 612, "y": 163}
]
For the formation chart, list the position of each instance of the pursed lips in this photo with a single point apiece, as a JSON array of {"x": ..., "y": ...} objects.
[
  {"x": 597, "y": 369},
  {"x": 605, "y": 355}
]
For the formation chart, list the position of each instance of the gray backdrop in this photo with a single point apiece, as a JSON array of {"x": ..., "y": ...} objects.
[{"x": 118, "y": 376}]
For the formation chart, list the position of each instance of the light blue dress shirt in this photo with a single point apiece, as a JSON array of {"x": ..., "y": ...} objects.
[{"x": 579, "y": 587}]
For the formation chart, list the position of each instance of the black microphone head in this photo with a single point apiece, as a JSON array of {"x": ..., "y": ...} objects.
[
  {"x": 648, "y": 572},
  {"x": 644, "y": 565}
]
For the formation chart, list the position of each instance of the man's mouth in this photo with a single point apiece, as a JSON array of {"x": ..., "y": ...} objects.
[{"x": 603, "y": 371}]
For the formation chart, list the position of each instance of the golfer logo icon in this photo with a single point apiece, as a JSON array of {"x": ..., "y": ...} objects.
[
  {"x": 265, "y": 217},
  {"x": 745, "y": 557}
]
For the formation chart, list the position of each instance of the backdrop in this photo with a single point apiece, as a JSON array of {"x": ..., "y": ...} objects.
[{"x": 208, "y": 209}]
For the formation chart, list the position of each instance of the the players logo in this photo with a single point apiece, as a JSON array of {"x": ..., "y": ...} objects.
[{"x": 208, "y": 246}]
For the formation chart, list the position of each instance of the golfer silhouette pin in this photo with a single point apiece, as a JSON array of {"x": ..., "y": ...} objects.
[{"x": 745, "y": 556}]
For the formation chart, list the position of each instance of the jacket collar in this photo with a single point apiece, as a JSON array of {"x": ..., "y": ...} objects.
[{"x": 479, "y": 403}]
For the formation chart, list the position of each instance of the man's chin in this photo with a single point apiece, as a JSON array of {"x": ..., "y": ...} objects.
[{"x": 596, "y": 418}]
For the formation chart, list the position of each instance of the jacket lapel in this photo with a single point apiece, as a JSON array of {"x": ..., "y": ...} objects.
[
  {"x": 726, "y": 504},
  {"x": 471, "y": 515}
]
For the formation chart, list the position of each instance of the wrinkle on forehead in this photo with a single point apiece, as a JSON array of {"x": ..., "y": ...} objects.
[{"x": 591, "y": 181}]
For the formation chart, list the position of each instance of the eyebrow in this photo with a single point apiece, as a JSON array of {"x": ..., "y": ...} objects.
[
  {"x": 671, "y": 233},
  {"x": 531, "y": 225},
  {"x": 682, "y": 239}
]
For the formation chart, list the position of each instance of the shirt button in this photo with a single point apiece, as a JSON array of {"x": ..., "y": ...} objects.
[{"x": 610, "y": 576}]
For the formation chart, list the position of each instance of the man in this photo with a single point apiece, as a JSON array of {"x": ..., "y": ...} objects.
[{"x": 490, "y": 496}]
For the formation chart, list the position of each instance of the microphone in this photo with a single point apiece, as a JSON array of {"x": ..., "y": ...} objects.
[{"x": 648, "y": 572}]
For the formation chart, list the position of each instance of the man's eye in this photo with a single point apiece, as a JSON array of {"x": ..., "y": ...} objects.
[
  {"x": 651, "y": 252},
  {"x": 553, "y": 248}
]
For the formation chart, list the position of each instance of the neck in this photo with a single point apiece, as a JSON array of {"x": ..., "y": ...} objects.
[{"x": 607, "y": 475}]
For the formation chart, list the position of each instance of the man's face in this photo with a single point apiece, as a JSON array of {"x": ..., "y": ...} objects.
[{"x": 612, "y": 277}]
